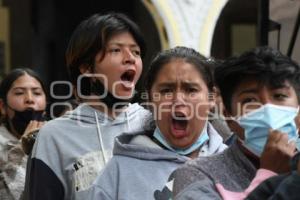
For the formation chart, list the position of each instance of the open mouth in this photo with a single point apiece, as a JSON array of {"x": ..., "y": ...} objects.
[
  {"x": 179, "y": 121},
  {"x": 128, "y": 76}
]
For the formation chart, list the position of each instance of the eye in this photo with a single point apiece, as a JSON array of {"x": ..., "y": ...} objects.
[
  {"x": 136, "y": 52},
  {"x": 165, "y": 90},
  {"x": 280, "y": 96},
  {"x": 37, "y": 93},
  {"x": 115, "y": 50},
  {"x": 249, "y": 100},
  {"x": 19, "y": 93},
  {"x": 192, "y": 90}
]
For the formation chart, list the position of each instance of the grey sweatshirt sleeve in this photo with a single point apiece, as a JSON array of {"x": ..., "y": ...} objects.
[
  {"x": 94, "y": 193},
  {"x": 190, "y": 183},
  {"x": 199, "y": 190}
]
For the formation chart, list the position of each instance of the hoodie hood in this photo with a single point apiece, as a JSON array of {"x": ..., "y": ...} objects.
[
  {"x": 140, "y": 146},
  {"x": 85, "y": 114}
]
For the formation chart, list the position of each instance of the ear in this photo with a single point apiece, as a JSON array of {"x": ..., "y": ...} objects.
[
  {"x": 234, "y": 125},
  {"x": 99, "y": 56},
  {"x": 212, "y": 98},
  {"x": 85, "y": 69}
]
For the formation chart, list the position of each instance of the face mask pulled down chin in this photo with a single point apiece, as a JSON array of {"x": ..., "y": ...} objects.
[
  {"x": 22, "y": 118},
  {"x": 257, "y": 124},
  {"x": 109, "y": 100},
  {"x": 203, "y": 137}
]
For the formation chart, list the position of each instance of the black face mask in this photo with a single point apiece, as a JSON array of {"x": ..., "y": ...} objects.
[
  {"x": 22, "y": 118},
  {"x": 98, "y": 88}
]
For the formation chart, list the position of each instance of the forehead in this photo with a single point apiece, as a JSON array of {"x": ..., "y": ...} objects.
[
  {"x": 122, "y": 38},
  {"x": 253, "y": 83},
  {"x": 26, "y": 81},
  {"x": 176, "y": 70}
]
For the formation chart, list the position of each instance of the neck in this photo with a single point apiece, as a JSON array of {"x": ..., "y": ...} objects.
[
  {"x": 192, "y": 155},
  {"x": 102, "y": 107}
]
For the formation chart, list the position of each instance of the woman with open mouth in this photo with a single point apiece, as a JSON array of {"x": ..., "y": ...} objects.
[{"x": 178, "y": 85}]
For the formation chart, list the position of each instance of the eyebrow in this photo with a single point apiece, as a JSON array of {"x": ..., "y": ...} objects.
[
  {"x": 251, "y": 90},
  {"x": 123, "y": 44},
  {"x": 283, "y": 86},
  {"x": 24, "y": 88},
  {"x": 173, "y": 84},
  {"x": 168, "y": 84},
  {"x": 255, "y": 90}
]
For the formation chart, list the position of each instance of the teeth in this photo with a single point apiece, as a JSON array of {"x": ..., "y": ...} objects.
[{"x": 179, "y": 115}]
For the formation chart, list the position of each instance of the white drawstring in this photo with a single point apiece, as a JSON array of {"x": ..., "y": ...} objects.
[
  {"x": 100, "y": 138},
  {"x": 127, "y": 121}
]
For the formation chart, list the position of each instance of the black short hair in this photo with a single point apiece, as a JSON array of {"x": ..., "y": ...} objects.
[
  {"x": 189, "y": 55},
  {"x": 264, "y": 64}
]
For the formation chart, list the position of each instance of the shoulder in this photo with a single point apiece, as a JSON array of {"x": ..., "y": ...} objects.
[
  {"x": 196, "y": 190},
  {"x": 198, "y": 170},
  {"x": 6, "y": 136}
]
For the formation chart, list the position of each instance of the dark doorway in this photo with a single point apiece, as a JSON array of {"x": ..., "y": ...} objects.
[
  {"x": 236, "y": 29},
  {"x": 54, "y": 23}
]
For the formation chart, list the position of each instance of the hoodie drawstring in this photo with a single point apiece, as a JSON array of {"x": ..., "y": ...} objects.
[
  {"x": 100, "y": 134},
  {"x": 100, "y": 138},
  {"x": 127, "y": 121}
]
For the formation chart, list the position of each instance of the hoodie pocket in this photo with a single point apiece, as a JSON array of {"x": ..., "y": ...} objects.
[{"x": 87, "y": 168}]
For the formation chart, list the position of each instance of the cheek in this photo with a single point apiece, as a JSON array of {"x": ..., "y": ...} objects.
[
  {"x": 10, "y": 114},
  {"x": 16, "y": 103},
  {"x": 139, "y": 69},
  {"x": 41, "y": 103},
  {"x": 202, "y": 109}
]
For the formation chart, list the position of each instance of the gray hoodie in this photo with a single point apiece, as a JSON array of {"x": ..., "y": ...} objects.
[
  {"x": 71, "y": 151},
  {"x": 140, "y": 168}
]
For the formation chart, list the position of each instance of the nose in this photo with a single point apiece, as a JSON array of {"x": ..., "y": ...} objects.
[
  {"x": 265, "y": 97},
  {"x": 179, "y": 99},
  {"x": 128, "y": 57},
  {"x": 29, "y": 99}
]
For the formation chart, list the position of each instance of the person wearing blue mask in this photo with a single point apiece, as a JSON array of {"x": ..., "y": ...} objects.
[
  {"x": 178, "y": 84},
  {"x": 260, "y": 92}
]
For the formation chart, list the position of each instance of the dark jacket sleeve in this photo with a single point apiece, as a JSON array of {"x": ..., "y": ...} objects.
[
  {"x": 283, "y": 187},
  {"x": 43, "y": 182}
]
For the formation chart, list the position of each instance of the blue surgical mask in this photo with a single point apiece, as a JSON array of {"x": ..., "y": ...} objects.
[
  {"x": 203, "y": 137},
  {"x": 257, "y": 123}
]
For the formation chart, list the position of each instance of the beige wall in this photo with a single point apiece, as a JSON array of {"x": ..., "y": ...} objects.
[{"x": 4, "y": 36}]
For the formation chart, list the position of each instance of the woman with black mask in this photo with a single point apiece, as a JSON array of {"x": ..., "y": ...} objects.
[{"x": 22, "y": 106}]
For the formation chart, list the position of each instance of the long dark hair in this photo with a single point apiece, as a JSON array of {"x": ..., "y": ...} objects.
[{"x": 10, "y": 78}]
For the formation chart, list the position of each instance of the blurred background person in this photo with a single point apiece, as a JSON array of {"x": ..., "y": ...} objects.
[{"x": 22, "y": 102}]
